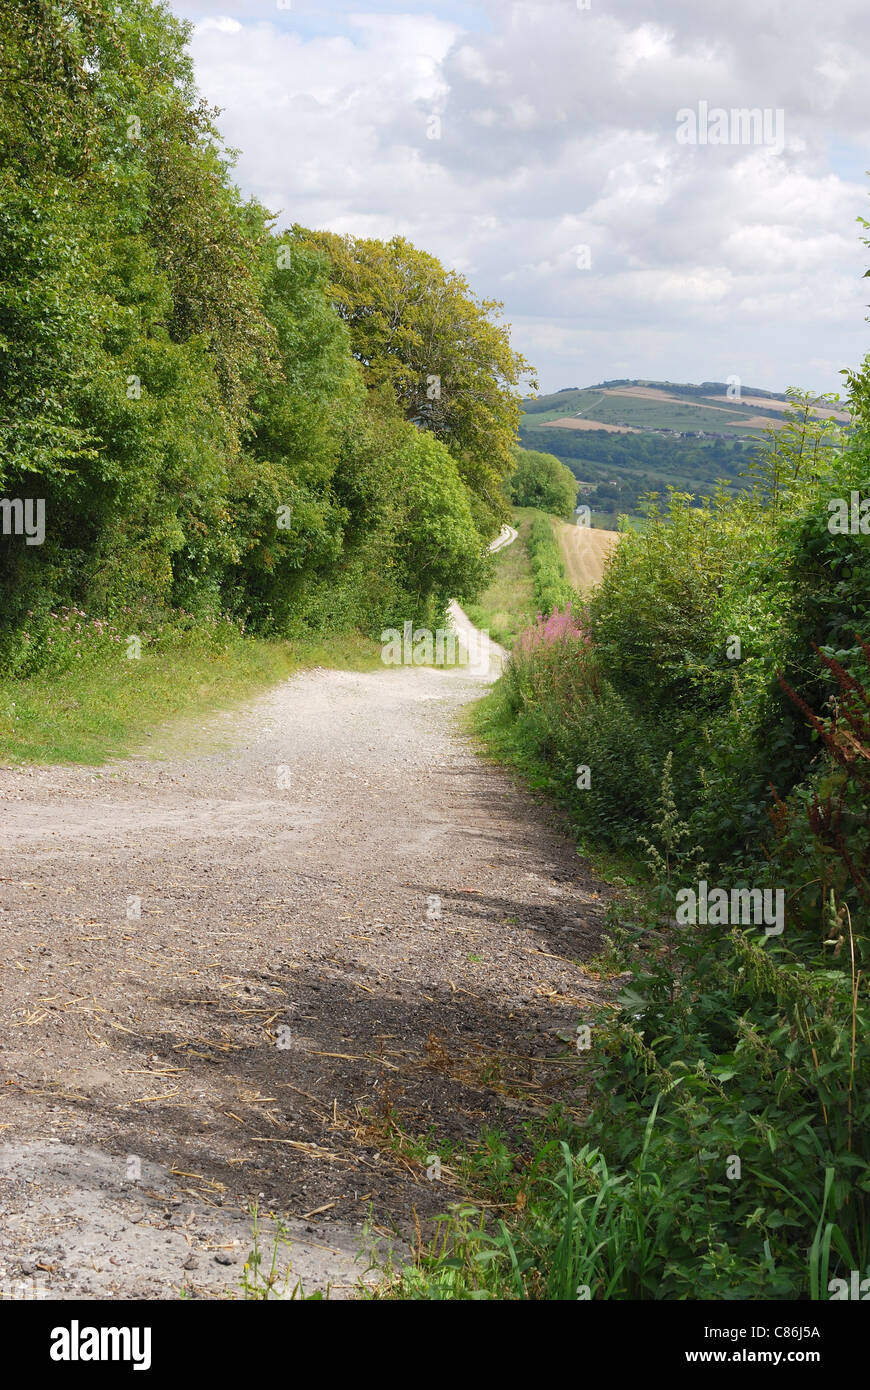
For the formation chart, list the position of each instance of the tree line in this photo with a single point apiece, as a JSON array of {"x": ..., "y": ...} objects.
[{"x": 300, "y": 430}]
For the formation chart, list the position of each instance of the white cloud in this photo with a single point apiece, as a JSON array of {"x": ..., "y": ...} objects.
[
  {"x": 222, "y": 25},
  {"x": 558, "y": 129}
]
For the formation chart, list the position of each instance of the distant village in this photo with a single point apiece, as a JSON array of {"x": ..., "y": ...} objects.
[{"x": 685, "y": 434}]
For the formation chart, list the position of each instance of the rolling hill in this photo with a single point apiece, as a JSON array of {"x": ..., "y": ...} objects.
[{"x": 624, "y": 438}]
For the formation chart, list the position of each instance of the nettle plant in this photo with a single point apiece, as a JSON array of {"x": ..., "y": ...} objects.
[
  {"x": 737, "y": 1072},
  {"x": 826, "y": 822}
]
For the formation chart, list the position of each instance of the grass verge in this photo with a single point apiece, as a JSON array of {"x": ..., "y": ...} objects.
[
  {"x": 109, "y": 705},
  {"x": 552, "y": 587},
  {"x": 508, "y": 604}
]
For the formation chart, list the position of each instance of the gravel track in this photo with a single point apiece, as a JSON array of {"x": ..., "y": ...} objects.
[{"x": 235, "y": 970}]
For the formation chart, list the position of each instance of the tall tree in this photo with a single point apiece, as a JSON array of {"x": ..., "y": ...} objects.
[{"x": 441, "y": 351}]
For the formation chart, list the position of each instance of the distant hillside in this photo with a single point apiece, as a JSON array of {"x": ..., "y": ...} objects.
[
  {"x": 624, "y": 438},
  {"x": 671, "y": 408}
]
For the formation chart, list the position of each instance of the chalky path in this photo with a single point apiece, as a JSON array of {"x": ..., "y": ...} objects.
[{"x": 232, "y": 972}]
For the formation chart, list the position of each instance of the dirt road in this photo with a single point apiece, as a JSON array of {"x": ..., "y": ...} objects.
[
  {"x": 233, "y": 971},
  {"x": 506, "y": 536}
]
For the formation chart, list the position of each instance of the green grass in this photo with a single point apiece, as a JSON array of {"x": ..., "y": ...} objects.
[
  {"x": 507, "y": 606},
  {"x": 583, "y": 1232},
  {"x": 609, "y": 521},
  {"x": 111, "y": 707}
]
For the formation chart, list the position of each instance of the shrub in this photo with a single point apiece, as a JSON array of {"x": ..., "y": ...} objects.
[{"x": 550, "y": 578}]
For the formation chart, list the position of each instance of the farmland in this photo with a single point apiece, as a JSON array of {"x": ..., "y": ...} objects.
[{"x": 624, "y": 439}]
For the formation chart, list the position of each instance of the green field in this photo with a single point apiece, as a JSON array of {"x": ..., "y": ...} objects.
[{"x": 686, "y": 413}]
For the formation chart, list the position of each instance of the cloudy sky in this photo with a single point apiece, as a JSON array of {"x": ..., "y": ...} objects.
[{"x": 532, "y": 145}]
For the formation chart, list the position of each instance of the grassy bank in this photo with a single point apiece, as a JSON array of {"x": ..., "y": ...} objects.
[
  {"x": 610, "y": 521},
  {"x": 552, "y": 586},
  {"x": 507, "y": 605},
  {"x": 105, "y": 705},
  {"x": 709, "y": 715}
]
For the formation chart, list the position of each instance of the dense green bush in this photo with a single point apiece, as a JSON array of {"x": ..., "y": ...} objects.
[{"x": 556, "y": 706}]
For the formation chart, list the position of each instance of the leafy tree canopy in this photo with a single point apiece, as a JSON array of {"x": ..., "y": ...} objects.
[
  {"x": 441, "y": 352},
  {"x": 542, "y": 480}
]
